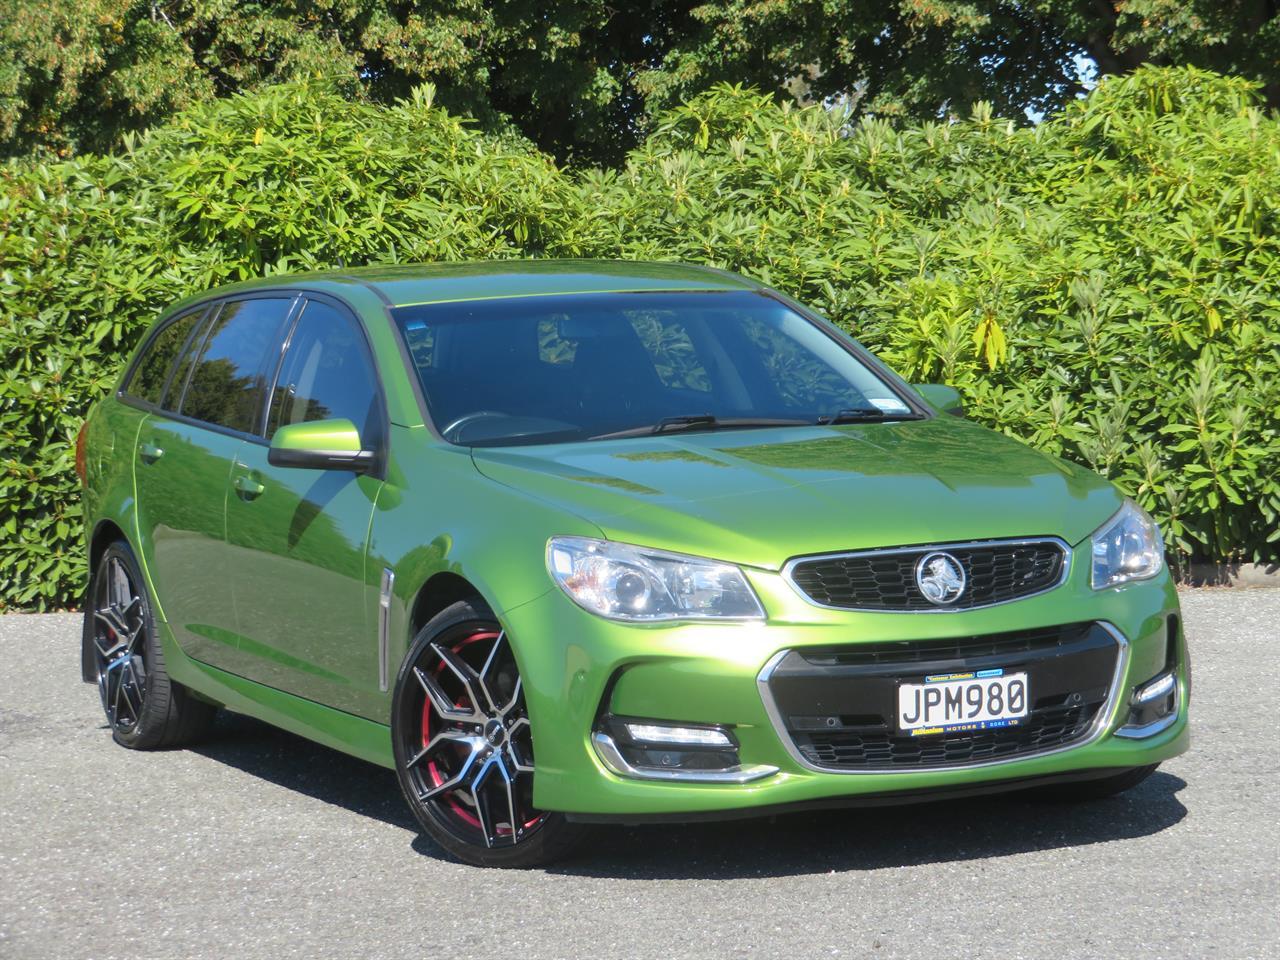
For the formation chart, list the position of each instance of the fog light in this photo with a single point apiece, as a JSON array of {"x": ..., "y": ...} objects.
[
  {"x": 649, "y": 750},
  {"x": 1159, "y": 687},
  {"x": 1153, "y": 708},
  {"x": 690, "y": 736}
]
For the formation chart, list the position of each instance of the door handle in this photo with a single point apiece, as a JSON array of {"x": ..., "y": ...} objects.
[
  {"x": 247, "y": 487},
  {"x": 149, "y": 452}
]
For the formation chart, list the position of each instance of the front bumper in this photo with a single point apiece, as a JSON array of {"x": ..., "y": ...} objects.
[{"x": 577, "y": 668}]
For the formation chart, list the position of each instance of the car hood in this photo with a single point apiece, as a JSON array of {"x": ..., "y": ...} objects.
[{"x": 759, "y": 497}]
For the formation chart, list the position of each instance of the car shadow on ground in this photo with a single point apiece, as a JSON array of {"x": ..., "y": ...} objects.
[
  {"x": 869, "y": 838},
  {"x": 308, "y": 768},
  {"x": 825, "y": 841}
]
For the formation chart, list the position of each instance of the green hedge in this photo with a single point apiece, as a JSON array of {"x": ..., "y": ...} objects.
[{"x": 1105, "y": 285}]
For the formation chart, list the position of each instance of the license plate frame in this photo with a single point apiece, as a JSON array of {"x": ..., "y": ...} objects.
[{"x": 954, "y": 710}]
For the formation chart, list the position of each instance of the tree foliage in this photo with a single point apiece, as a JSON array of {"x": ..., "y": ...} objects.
[
  {"x": 75, "y": 75},
  {"x": 1105, "y": 286},
  {"x": 927, "y": 57},
  {"x": 583, "y": 79}
]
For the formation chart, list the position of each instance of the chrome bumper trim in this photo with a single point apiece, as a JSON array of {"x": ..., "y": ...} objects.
[
  {"x": 612, "y": 758},
  {"x": 1156, "y": 726}
]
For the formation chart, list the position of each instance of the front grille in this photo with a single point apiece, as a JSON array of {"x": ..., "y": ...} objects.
[
  {"x": 1043, "y": 730},
  {"x": 995, "y": 572},
  {"x": 950, "y": 649},
  {"x": 837, "y": 705}
]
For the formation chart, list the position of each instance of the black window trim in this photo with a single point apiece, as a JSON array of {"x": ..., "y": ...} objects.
[
  {"x": 132, "y": 370},
  {"x": 275, "y": 366},
  {"x": 298, "y": 296},
  {"x": 214, "y": 305},
  {"x": 285, "y": 324}
]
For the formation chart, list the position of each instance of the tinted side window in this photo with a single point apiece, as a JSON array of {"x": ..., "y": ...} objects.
[
  {"x": 182, "y": 369},
  {"x": 326, "y": 373},
  {"x": 152, "y": 371},
  {"x": 227, "y": 381}
]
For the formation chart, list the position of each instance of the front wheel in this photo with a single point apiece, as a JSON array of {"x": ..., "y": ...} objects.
[{"x": 464, "y": 745}]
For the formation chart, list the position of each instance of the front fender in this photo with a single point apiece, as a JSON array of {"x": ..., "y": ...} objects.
[{"x": 437, "y": 514}]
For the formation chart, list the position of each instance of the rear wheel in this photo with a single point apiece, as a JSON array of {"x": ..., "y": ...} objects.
[
  {"x": 464, "y": 745},
  {"x": 145, "y": 708}
]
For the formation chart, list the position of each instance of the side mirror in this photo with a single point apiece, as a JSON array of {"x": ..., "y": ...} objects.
[
  {"x": 941, "y": 397},
  {"x": 320, "y": 445}
]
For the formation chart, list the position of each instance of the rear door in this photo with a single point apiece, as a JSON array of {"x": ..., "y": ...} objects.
[
  {"x": 211, "y": 406},
  {"x": 296, "y": 538}
]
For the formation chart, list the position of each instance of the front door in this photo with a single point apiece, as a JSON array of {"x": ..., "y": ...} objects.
[{"x": 296, "y": 538}]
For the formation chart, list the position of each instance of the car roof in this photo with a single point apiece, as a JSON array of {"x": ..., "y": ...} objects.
[{"x": 413, "y": 284}]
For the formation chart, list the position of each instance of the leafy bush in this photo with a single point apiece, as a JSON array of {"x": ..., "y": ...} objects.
[
  {"x": 1105, "y": 286},
  {"x": 294, "y": 178}
]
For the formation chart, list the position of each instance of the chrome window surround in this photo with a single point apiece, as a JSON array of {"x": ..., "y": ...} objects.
[
  {"x": 1106, "y": 716},
  {"x": 789, "y": 568},
  {"x": 609, "y": 754}
]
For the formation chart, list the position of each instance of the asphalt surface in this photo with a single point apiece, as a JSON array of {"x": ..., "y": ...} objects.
[{"x": 259, "y": 844}]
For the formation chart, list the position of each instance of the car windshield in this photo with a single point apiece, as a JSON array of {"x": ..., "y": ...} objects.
[{"x": 582, "y": 367}]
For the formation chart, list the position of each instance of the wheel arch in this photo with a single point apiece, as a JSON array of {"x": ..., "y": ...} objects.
[
  {"x": 105, "y": 533},
  {"x": 437, "y": 593}
]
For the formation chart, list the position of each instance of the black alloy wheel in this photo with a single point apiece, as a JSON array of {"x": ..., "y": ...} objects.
[
  {"x": 119, "y": 642},
  {"x": 464, "y": 745},
  {"x": 145, "y": 709}
]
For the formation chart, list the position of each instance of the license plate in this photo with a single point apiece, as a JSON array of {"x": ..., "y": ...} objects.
[{"x": 951, "y": 702}]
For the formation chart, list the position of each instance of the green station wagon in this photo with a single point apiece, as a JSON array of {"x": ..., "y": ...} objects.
[{"x": 575, "y": 542}]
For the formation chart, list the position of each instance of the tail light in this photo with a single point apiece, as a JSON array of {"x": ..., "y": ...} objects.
[{"x": 81, "y": 469}]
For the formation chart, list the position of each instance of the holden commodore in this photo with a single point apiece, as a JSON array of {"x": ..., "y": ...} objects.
[{"x": 567, "y": 543}]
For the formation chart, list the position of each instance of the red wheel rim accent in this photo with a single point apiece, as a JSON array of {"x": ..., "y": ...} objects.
[{"x": 435, "y": 775}]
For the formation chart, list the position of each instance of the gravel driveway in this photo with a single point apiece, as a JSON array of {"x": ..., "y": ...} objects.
[{"x": 259, "y": 844}]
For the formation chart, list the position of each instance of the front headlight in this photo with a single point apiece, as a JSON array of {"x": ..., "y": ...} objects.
[
  {"x": 1127, "y": 547},
  {"x": 625, "y": 582}
]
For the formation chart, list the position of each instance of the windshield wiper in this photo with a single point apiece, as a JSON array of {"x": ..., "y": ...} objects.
[
  {"x": 699, "y": 421},
  {"x": 691, "y": 422},
  {"x": 864, "y": 415}
]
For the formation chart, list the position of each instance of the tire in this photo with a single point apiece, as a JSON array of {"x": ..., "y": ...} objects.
[
  {"x": 1085, "y": 790},
  {"x": 145, "y": 708},
  {"x": 464, "y": 746}
]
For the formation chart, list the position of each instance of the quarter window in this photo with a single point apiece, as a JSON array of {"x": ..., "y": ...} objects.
[
  {"x": 152, "y": 372},
  {"x": 226, "y": 383},
  {"x": 326, "y": 373}
]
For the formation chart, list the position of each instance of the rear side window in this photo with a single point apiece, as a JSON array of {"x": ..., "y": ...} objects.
[
  {"x": 152, "y": 372},
  {"x": 326, "y": 373},
  {"x": 226, "y": 384}
]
